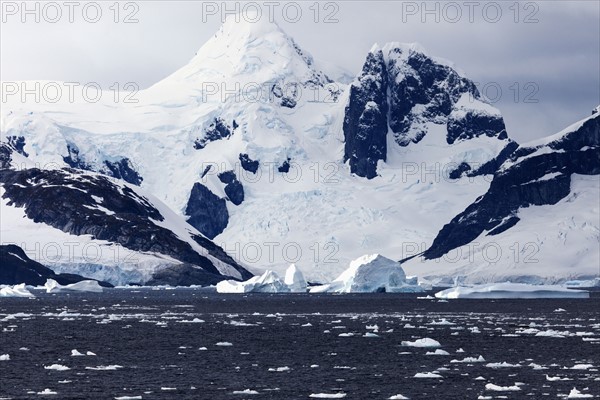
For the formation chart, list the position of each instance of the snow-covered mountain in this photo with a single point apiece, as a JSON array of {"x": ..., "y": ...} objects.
[
  {"x": 539, "y": 222},
  {"x": 258, "y": 148}
]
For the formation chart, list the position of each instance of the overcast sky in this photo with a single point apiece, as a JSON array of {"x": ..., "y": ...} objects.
[{"x": 544, "y": 56}]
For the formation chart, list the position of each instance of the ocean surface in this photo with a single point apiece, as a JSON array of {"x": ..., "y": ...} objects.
[{"x": 194, "y": 344}]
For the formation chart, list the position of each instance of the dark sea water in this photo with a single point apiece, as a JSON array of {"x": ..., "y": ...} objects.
[{"x": 289, "y": 346}]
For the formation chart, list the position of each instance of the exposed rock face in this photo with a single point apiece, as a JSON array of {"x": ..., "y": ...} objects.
[
  {"x": 18, "y": 142},
  {"x": 123, "y": 169},
  {"x": 233, "y": 188},
  {"x": 402, "y": 90},
  {"x": 249, "y": 164},
  {"x": 365, "y": 122},
  {"x": 217, "y": 130},
  {"x": 17, "y": 267},
  {"x": 90, "y": 204},
  {"x": 207, "y": 212},
  {"x": 534, "y": 175}
]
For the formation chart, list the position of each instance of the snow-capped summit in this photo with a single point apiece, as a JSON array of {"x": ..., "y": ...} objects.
[{"x": 248, "y": 60}]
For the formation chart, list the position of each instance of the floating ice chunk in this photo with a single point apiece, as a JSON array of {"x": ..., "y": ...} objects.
[
  {"x": 168, "y": 389},
  {"x": 437, "y": 352},
  {"x": 327, "y": 395},
  {"x": 469, "y": 360},
  {"x": 556, "y": 378},
  {"x": 551, "y": 333},
  {"x": 443, "y": 321},
  {"x": 4, "y": 357},
  {"x": 193, "y": 321},
  {"x": 346, "y": 334},
  {"x": 576, "y": 394},
  {"x": 397, "y": 397},
  {"x": 502, "y": 364},
  {"x": 89, "y": 353},
  {"x": 582, "y": 366},
  {"x": 202, "y": 348},
  {"x": 128, "y": 398},
  {"x": 105, "y": 367},
  {"x": 371, "y": 335},
  {"x": 76, "y": 353},
  {"x": 496, "y": 388},
  {"x": 368, "y": 274},
  {"x": 15, "y": 291},
  {"x": 268, "y": 282},
  {"x": 294, "y": 279},
  {"x": 425, "y": 342},
  {"x": 57, "y": 367},
  {"x": 224, "y": 344},
  {"x": 560, "y": 310},
  {"x": 47, "y": 392},
  {"x": 84, "y": 286},
  {"x": 278, "y": 369},
  {"x": 245, "y": 391},
  {"x": 509, "y": 290},
  {"x": 428, "y": 375}
]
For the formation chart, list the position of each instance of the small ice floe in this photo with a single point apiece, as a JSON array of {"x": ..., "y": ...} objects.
[
  {"x": 469, "y": 360},
  {"x": 556, "y": 378},
  {"x": 89, "y": 353},
  {"x": 428, "y": 375},
  {"x": 576, "y": 394},
  {"x": 24, "y": 348},
  {"x": 552, "y": 333},
  {"x": 279, "y": 369},
  {"x": 496, "y": 388},
  {"x": 397, "y": 397},
  {"x": 76, "y": 353},
  {"x": 371, "y": 335},
  {"x": 437, "y": 352},
  {"x": 4, "y": 357},
  {"x": 52, "y": 286},
  {"x": 443, "y": 321},
  {"x": 315, "y": 366},
  {"x": 425, "y": 342},
  {"x": 508, "y": 290},
  {"x": 64, "y": 382},
  {"x": 502, "y": 364},
  {"x": 245, "y": 391},
  {"x": 47, "y": 392},
  {"x": 128, "y": 398},
  {"x": 57, "y": 367},
  {"x": 480, "y": 378},
  {"x": 346, "y": 334},
  {"x": 560, "y": 310},
  {"x": 340, "y": 395},
  {"x": 105, "y": 367},
  {"x": 15, "y": 291},
  {"x": 202, "y": 348},
  {"x": 224, "y": 344},
  {"x": 306, "y": 325},
  {"x": 460, "y": 350},
  {"x": 192, "y": 321},
  {"x": 582, "y": 366},
  {"x": 168, "y": 389}
]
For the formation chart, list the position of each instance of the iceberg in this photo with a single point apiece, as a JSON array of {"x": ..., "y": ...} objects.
[
  {"x": 370, "y": 274},
  {"x": 508, "y": 290},
  {"x": 268, "y": 282},
  {"x": 15, "y": 291},
  {"x": 294, "y": 279},
  {"x": 84, "y": 286}
]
